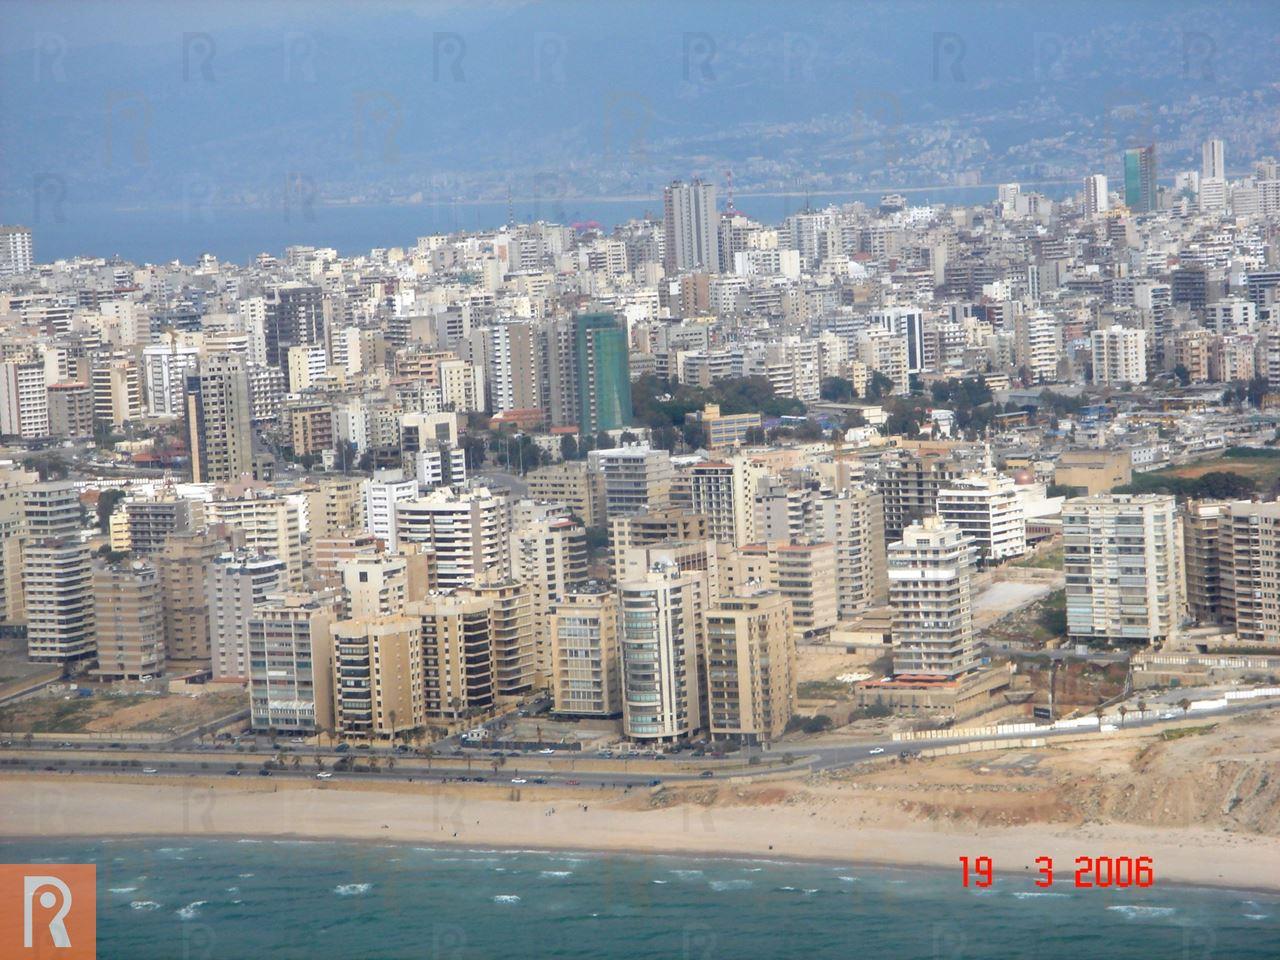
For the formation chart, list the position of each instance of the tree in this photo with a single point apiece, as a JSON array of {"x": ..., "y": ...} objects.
[
  {"x": 879, "y": 386},
  {"x": 569, "y": 447},
  {"x": 473, "y": 448},
  {"x": 1182, "y": 373},
  {"x": 1185, "y": 704},
  {"x": 1123, "y": 710},
  {"x": 837, "y": 390},
  {"x": 107, "y": 501}
]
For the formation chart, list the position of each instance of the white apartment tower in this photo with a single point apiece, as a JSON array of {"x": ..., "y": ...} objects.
[{"x": 931, "y": 594}]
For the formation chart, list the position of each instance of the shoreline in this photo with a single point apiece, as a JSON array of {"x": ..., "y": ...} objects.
[{"x": 609, "y": 823}]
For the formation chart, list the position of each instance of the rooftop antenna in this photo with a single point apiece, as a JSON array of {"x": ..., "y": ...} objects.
[
  {"x": 728, "y": 192},
  {"x": 511, "y": 209}
]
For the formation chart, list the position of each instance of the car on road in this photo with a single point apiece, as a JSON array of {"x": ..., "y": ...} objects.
[
  {"x": 573, "y": 783},
  {"x": 150, "y": 770},
  {"x": 519, "y": 780},
  {"x": 547, "y": 750},
  {"x": 655, "y": 783},
  {"x": 539, "y": 779},
  {"x": 706, "y": 773},
  {"x": 875, "y": 751},
  {"x": 264, "y": 772},
  {"x": 324, "y": 775},
  {"x": 343, "y": 747},
  {"x": 1170, "y": 715}
]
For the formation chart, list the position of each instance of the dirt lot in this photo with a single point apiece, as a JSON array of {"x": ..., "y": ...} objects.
[{"x": 125, "y": 714}]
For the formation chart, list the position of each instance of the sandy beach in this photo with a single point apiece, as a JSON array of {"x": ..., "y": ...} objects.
[{"x": 756, "y": 822}]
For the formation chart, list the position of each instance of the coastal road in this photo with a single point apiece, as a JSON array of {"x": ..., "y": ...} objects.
[{"x": 531, "y": 768}]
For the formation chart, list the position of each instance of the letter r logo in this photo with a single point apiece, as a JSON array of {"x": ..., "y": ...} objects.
[{"x": 48, "y": 911}]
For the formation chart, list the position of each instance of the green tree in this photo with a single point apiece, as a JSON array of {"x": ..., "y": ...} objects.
[
  {"x": 107, "y": 501},
  {"x": 837, "y": 390}
]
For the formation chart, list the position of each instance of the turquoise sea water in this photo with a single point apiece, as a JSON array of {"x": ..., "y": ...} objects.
[{"x": 194, "y": 899}]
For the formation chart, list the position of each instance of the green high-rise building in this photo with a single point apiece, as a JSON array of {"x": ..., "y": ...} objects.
[
  {"x": 1140, "y": 179},
  {"x": 604, "y": 373}
]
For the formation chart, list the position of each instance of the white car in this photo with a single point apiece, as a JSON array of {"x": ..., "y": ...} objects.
[
  {"x": 547, "y": 750},
  {"x": 875, "y": 751},
  {"x": 519, "y": 780},
  {"x": 324, "y": 775},
  {"x": 150, "y": 770}
]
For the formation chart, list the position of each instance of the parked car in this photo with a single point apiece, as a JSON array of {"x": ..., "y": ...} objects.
[{"x": 324, "y": 775}]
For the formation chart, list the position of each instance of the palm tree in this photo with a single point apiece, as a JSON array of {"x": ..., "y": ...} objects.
[
  {"x": 1097, "y": 712},
  {"x": 1142, "y": 706},
  {"x": 1185, "y": 704},
  {"x": 1123, "y": 711}
]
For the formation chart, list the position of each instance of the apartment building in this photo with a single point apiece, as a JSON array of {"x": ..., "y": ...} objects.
[
  {"x": 931, "y": 595},
  {"x": 751, "y": 680},
  {"x": 586, "y": 652}
]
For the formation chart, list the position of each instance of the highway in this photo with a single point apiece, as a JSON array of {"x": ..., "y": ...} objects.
[{"x": 528, "y": 769}]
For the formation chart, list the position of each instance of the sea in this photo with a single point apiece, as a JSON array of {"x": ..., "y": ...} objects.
[
  {"x": 200, "y": 899},
  {"x": 70, "y": 225}
]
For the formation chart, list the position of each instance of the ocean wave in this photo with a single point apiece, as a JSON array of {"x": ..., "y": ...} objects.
[
  {"x": 1137, "y": 912},
  {"x": 244, "y": 876},
  {"x": 752, "y": 869},
  {"x": 352, "y": 889},
  {"x": 1256, "y": 916},
  {"x": 554, "y": 874},
  {"x": 248, "y": 840},
  {"x": 849, "y": 879},
  {"x": 191, "y": 909},
  {"x": 658, "y": 881},
  {"x": 233, "y": 890},
  {"x": 144, "y": 905},
  {"x": 121, "y": 889},
  {"x": 1028, "y": 894},
  {"x": 506, "y": 898},
  {"x": 722, "y": 885},
  {"x": 686, "y": 874}
]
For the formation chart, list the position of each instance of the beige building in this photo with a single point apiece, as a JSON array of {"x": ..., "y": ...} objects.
[
  {"x": 636, "y": 478},
  {"x": 375, "y": 585},
  {"x": 550, "y": 554},
  {"x": 270, "y": 524},
  {"x": 335, "y": 507},
  {"x": 653, "y": 526},
  {"x": 1206, "y": 545},
  {"x": 586, "y": 653},
  {"x": 128, "y": 620},
  {"x": 467, "y": 532},
  {"x": 571, "y": 483},
  {"x": 184, "y": 566},
  {"x": 804, "y": 573},
  {"x": 70, "y": 410},
  {"x": 1249, "y": 556},
  {"x": 724, "y": 492},
  {"x": 511, "y": 635},
  {"x": 13, "y": 480},
  {"x": 378, "y": 668},
  {"x": 751, "y": 657},
  {"x": 117, "y": 391},
  {"x": 727, "y": 431},
  {"x": 238, "y": 581},
  {"x": 457, "y": 650},
  {"x": 1093, "y": 471},
  {"x": 853, "y": 521}
]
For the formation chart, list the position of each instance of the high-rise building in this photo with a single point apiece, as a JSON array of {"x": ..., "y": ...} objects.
[
  {"x": 164, "y": 371},
  {"x": 1096, "y": 200},
  {"x": 724, "y": 492},
  {"x": 219, "y": 419},
  {"x": 636, "y": 478},
  {"x": 238, "y": 582},
  {"x": 291, "y": 663},
  {"x": 15, "y": 250},
  {"x": 548, "y": 553},
  {"x": 52, "y": 509},
  {"x": 574, "y": 484},
  {"x": 1249, "y": 563},
  {"x": 987, "y": 509},
  {"x": 57, "y": 581},
  {"x": 604, "y": 373},
  {"x": 1140, "y": 179},
  {"x": 751, "y": 655},
  {"x": 1213, "y": 165},
  {"x": 585, "y": 652},
  {"x": 467, "y": 532},
  {"x": 128, "y": 620},
  {"x": 117, "y": 391},
  {"x": 1119, "y": 355},
  {"x": 151, "y": 521},
  {"x": 185, "y": 564},
  {"x": 294, "y": 316},
  {"x": 12, "y": 482},
  {"x": 457, "y": 654},
  {"x": 70, "y": 410},
  {"x": 375, "y": 584},
  {"x": 692, "y": 226},
  {"x": 1122, "y": 555},
  {"x": 511, "y": 635},
  {"x": 383, "y": 493},
  {"x": 271, "y": 525},
  {"x": 853, "y": 520},
  {"x": 24, "y": 400},
  {"x": 1206, "y": 529},
  {"x": 662, "y": 655},
  {"x": 931, "y": 594},
  {"x": 513, "y": 367},
  {"x": 378, "y": 669}
]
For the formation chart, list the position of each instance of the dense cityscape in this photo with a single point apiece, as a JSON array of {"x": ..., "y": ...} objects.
[{"x": 683, "y": 502}]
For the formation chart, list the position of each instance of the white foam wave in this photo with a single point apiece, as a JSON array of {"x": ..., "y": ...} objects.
[
  {"x": 1028, "y": 894},
  {"x": 506, "y": 898},
  {"x": 191, "y": 909},
  {"x": 144, "y": 905},
  {"x": 352, "y": 889},
  {"x": 1137, "y": 912},
  {"x": 554, "y": 874},
  {"x": 122, "y": 889},
  {"x": 722, "y": 885},
  {"x": 686, "y": 874}
]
